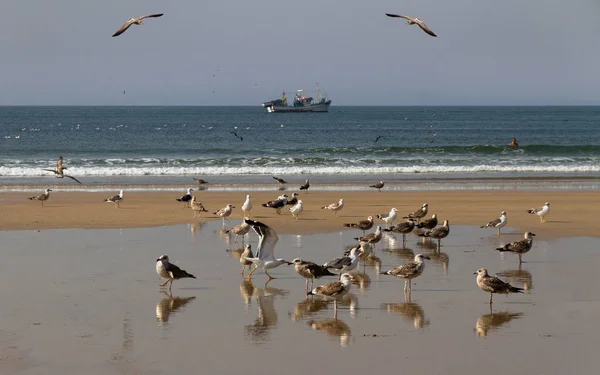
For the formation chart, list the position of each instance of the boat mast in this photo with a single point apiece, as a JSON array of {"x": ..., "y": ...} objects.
[{"x": 318, "y": 93}]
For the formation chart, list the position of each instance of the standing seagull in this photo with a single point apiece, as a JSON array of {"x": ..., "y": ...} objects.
[
  {"x": 247, "y": 253},
  {"x": 335, "y": 207},
  {"x": 389, "y": 217},
  {"x": 520, "y": 247},
  {"x": 59, "y": 170},
  {"x": 346, "y": 263},
  {"x": 418, "y": 214},
  {"x": 334, "y": 290},
  {"x": 413, "y": 21},
  {"x": 277, "y": 204},
  {"x": 404, "y": 228},
  {"x": 541, "y": 212},
  {"x": 240, "y": 230},
  {"x": 363, "y": 225},
  {"x": 429, "y": 223},
  {"x": 197, "y": 206},
  {"x": 170, "y": 271},
  {"x": 280, "y": 180},
  {"x": 409, "y": 271},
  {"x": 372, "y": 238},
  {"x": 497, "y": 223},
  {"x": 438, "y": 233},
  {"x": 116, "y": 199},
  {"x": 265, "y": 253},
  {"x": 224, "y": 213},
  {"x": 187, "y": 197},
  {"x": 293, "y": 201},
  {"x": 378, "y": 185},
  {"x": 492, "y": 284},
  {"x": 305, "y": 186},
  {"x": 136, "y": 21},
  {"x": 42, "y": 197},
  {"x": 310, "y": 271},
  {"x": 247, "y": 206},
  {"x": 297, "y": 209}
]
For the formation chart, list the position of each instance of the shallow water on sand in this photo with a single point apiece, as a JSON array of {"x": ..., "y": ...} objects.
[{"x": 88, "y": 301}]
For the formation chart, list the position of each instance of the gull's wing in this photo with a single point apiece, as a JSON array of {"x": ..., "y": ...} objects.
[
  {"x": 338, "y": 263},
  {"x": 123, "y": 28},
  {"x": 267, "y": 239},
  {"x": 73, "y": 178},
  {"x": 404, "y": 270},
  {"x": 425, "y": 28},
  {"x": 492, "y": 223},
  {"x": 151, "y": 16},
  {"x": 51, "y": 170},
  {"x": 398, "y": 16}
]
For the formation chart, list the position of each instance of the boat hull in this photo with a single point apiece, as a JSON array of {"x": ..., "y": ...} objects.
[{"x": 319, "y": 107}]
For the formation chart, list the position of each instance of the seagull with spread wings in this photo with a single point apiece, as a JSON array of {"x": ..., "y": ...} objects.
[
  {"x": 59, "y": 170},
  {"x": 413, "y": 21},
  {"x": 134, "y": 21},
  {"x": 265, "y": 253}
]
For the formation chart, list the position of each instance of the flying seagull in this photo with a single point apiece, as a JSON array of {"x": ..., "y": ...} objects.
[
  {"x": 137, "y": 21},
  {"x": 265, "y": 253},
  {"x": 59, "y": 170},
  {"x": 280, "y": 180},
  {"x": 237, "y": 136},
  {"x": 413, "y": 21},
  {"x": 378, "y": 138}
]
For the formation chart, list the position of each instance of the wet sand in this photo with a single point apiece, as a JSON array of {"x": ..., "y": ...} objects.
[
  {"x": 573, "y": 212},
  {"x": 88, "y": 301}
]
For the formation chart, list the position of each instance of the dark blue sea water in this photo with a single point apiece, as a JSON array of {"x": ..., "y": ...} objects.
[{"x": 169, "y": 145}]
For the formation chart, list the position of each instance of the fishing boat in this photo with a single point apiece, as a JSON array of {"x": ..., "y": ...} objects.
[{"x": 302, "y": 103}]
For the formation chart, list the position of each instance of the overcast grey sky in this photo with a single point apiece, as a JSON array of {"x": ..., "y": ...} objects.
[{"x": 493, "y": 52}]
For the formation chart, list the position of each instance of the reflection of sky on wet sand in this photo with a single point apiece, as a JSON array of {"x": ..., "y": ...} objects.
[{"x": 97, "y": 295}]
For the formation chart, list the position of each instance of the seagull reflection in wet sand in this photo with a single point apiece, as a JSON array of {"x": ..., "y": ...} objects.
[
  {"x": 334, "y": 328},
  {"x": 362, "y": 280},
  {"x": 410, "y": 310},
  {"x": 267, "y": 315},
  {"x": 247, "y": 291},
  {"x": 170, "y": 305},
  {"x": 308, "y": 307},
  {"x": 491, "y": 322}
]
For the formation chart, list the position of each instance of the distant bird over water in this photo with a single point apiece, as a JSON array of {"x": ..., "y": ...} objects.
[
  {"x": 59, "y": 170},
  {"x": 413, "y": 21},
  {"x": 136, "y": 21},
  {"x": 280, "y": 180}
]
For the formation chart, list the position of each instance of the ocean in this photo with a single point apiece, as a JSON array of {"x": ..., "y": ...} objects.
[{"x": 163, "y": 147}]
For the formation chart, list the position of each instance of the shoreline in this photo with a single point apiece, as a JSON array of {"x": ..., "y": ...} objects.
[{"x": 572, "y": 214}]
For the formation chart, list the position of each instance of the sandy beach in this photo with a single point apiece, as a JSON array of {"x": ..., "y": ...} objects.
[{"x": 573, "y": 212}]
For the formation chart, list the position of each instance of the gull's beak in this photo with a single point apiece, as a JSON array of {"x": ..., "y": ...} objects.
[
  {"x": 474, "y": 273},
  {"x": 289, "y": 263},
  {"x": 427, "y": 258},
  {"x": 158, "y": 259},
  {"x": 533, "y": 234}
]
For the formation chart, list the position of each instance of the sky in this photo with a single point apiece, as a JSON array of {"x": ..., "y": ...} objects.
[{"x": 239, "y": 52}]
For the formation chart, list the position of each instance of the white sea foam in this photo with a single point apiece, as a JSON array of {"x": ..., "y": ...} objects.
[{"x": 118, "y": 168}]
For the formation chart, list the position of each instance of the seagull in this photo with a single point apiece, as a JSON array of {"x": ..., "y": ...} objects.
[
  {"x": 197, "y": 207},
  {"x": 372, "y": 238},
  {"x": 42, "y": 197},
  {"x": 310, "y": 271},
  {"x": 413, "y": 21},
  {"x": 418, "y": 214},
  {"x": 305, "y": 186},
  {"x": 541, "y": 212},
  {"x": 297, "y": 209},
  {"x": 409, "y": 271},
  {"x": 59, "y": 170},
  {"x": 280, "y": 180},
  {"x": 224, "y": 213},
  {"x": 239, "y": 230},
  {"x": 200, "y": 181},
  {"x": 187, "y": 197},
  {"x": 265, "y": 254},
  {"x": 378, "y": 185},
  {"x": 277, "y": 204},
  {"x": 493, "y": 284},
  {"x": 520, "y": 247},
  {"x": 335, "y": 207},
  {"x": 497, "y": 223},
  {"x": 237, "y": 136},
  {"x": 363, "y": 225},
  {"x": 294, "y": 200},
  {"x": 346, "y": 263},
  {"x": 389, "y": 217},
  {"x": 334, "y": 290},
  {"x": 137, "y": 21},
  {"x": 378, "y": 138},
  {"x": 247, "y": 206},
  {"x": 429, "y": 223},
  {"x": 247, "y": 253},
  {"x": 116, "y": 199},
  {"x": 438, "y": 233},
  {"x": 169, "y": 271},
  {"x": 404, "y": 228}
]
